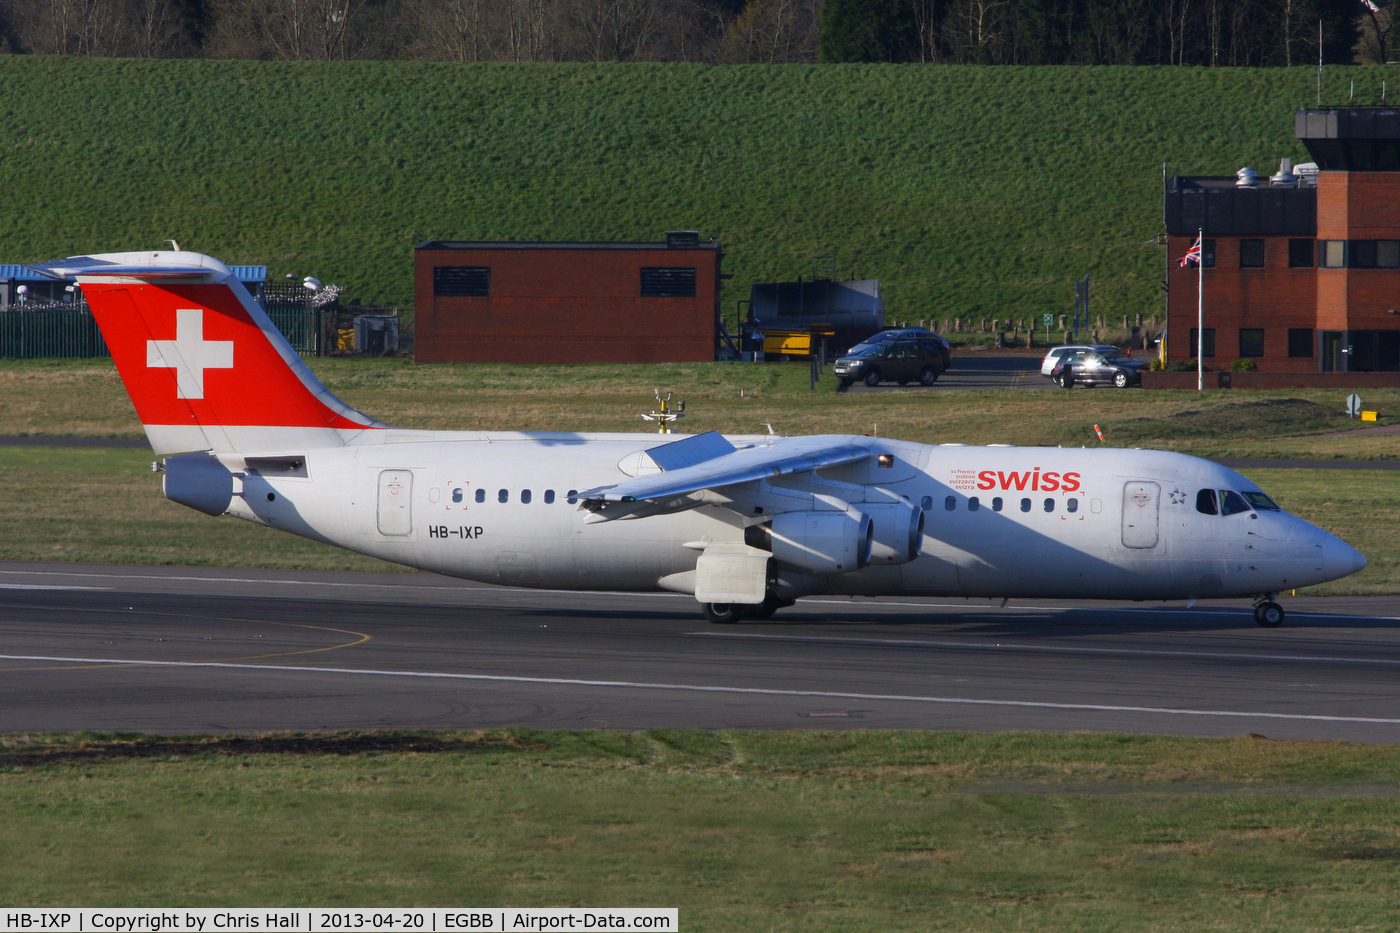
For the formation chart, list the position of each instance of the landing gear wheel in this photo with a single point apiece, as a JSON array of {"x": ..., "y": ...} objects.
[
  {"x": 723, "y": 613},
  {"x": 765, "y": 609},
  {"x": 928, "y": 376},
  {"x": 1120, "y": 380},
  {"x": 872, "y": 378},
  {"x": 1268, "y": 614}
]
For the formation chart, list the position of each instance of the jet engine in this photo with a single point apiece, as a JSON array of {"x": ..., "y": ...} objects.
[
  {"x": 898, "y": 531},
  {"x": 823, "y": 541},
  {"x": 199, "y": 481}
]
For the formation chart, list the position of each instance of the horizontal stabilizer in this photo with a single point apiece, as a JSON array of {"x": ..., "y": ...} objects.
[{"x": 163, "y": 265}]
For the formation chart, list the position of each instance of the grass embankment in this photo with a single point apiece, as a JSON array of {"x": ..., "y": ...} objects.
[
  {"x": 742, "y": 831},
  {"x": 981, "y": 192}
]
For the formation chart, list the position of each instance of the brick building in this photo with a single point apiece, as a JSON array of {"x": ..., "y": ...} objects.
[
  {"x": 567, "y": 302},
  {"x": 1302, "y": 272}
]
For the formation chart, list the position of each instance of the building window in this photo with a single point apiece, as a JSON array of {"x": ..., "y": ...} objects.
[
  {"x": 1300, "y": 254},
  {"x": 668, "y": 282},
  {"x": 1208, "y": 253},
  {"x": 1388, "y": 254},
  {"x": 1251, "y": 341},
  {"x": 1300, "y": 342},
  {"x": 461, "y": 281},
  {"x": 1251, "y": 254},
  {"x": 1209, "y": 349},
  {"x": 1334, "y": 254},
  {"x": 1363, "y": 254}
]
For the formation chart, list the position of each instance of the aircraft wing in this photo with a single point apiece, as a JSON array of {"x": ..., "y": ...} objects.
[{"x": 708, "y": 461}]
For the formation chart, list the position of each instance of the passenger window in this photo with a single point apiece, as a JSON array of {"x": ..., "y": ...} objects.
[
  {"x": 1232, "y": 503},
  {"x": 457, "y": 495},
  {"x": 1072, "y": 505},
  {"x": 525, "y": 496},
  {"x": 481, "y": 495},
  {"x": 1205, "y": 502},
  {"x": 1049, "y": 505},
  {"x": 503, "y": 496},
  {"x": 1025, "y": 505},
  {"x": 1096, "y": 506},
  {"x": 549, "y": 497},
  {"x": 972, "y": 504},
  {"x": 926, "y": 503},
  {"x": 996, "y": 504},
  {"x": 573, "y": 496},
  {"x": 950, "y": 503}
]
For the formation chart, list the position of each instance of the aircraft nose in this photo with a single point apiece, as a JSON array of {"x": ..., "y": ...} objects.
[{"x": 1341, "y": 559}]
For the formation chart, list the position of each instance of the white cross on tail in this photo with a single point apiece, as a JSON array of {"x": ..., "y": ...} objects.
[{"x": 189, "y": 354}]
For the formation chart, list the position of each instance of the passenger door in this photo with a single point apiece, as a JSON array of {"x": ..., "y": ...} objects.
[
  {"x": 394, "y": 512},
  {"x": 1140, "y": 514}
]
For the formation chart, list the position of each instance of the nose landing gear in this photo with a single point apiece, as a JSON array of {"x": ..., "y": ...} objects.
[{"x": 1268, "y": 613}]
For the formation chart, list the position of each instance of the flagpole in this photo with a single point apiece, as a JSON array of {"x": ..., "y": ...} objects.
[{"x": 1201, "y": 310}]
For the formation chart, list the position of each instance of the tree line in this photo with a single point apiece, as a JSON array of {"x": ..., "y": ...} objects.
[{"x": 997, "y": 32}]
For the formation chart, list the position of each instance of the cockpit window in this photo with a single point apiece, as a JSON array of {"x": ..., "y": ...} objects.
[
  {"x": 1232, "y": 503},
  {"x": 1262, "y": 502},
  {"x": 1205, "y": 502}
]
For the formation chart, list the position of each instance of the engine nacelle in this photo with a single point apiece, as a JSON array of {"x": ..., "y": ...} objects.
[
  {"x": 200, "y": 482},
  {"x": 824, "y": 541},
  {"x": 898, "y": 531}
]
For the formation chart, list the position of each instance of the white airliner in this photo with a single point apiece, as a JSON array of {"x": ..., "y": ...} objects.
[{"x": 747, "y": 524}]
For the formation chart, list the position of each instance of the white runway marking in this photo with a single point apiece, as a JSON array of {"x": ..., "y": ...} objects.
[
  {"x": 702, "y": 688},
  {"x": 41, "y": 586},
  {"x": 1059, "y": 649}
]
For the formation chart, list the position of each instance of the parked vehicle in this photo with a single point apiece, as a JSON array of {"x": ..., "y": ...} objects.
[
  {"x": 899, "y": 333},
  {"x": 903, "y": 360},
  {"x": 1058, "y": 353},
  {"x": 1095, "y": 368}
]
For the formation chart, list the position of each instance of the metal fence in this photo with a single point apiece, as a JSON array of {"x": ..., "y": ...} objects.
[
  {"x": 63, "y": 329},
  {"x": 66, "y": 330}
]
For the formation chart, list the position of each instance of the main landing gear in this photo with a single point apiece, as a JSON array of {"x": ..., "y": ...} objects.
[
  {"x": 1268, "y": 613},
  {"x": 729, "y": 613}
]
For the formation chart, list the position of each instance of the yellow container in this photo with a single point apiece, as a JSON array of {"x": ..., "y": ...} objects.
[{"x": 1368, "y": 416}]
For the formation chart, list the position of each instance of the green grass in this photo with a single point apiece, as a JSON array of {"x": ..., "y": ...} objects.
[
  {"x": 981, "y": 192},
  {"x": 741, "y": 831},
  {"x": 85, "y": 398}
]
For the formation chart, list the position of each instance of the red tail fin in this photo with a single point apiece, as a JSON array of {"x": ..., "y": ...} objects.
[{"x": 205, "y": 367}]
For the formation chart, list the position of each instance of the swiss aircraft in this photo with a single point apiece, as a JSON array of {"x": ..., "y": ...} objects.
[{"x": 745, "y": 524}]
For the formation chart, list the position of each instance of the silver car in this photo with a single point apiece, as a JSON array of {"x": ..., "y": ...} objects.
[{"x": 1056, "y": 354}]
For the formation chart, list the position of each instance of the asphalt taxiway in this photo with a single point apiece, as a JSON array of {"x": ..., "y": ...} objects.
[{"x": 197, "y": 650}]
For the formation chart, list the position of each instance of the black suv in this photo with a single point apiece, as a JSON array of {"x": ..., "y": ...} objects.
[{"x": 908, "y": 357}]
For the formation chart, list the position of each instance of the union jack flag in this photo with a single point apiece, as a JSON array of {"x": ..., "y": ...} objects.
[{"x": 1192, "y": 257}]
